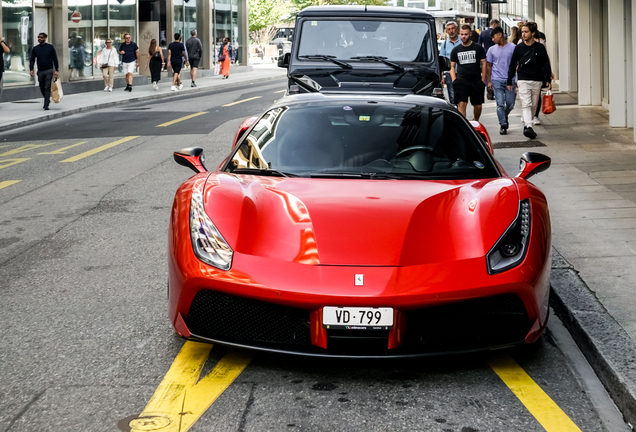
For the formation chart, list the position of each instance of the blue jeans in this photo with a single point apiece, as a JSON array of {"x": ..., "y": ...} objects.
[
  {"x": 505, "y": 100},
  {"x": 449, "y": 86}
]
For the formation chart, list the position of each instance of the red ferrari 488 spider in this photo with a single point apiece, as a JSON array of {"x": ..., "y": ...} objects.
[{"x": 360, "y": 226}]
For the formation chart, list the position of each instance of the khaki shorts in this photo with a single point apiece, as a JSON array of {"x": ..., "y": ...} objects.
[{"x": 130, "y": 67}]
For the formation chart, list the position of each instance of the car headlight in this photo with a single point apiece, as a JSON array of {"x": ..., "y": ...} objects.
[
  {"x": 207, "y": 242},
  {"x": 511, "y": 248}
]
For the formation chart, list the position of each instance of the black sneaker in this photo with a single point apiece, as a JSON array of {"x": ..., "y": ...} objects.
[
  {"x": 193, "y": 84},
  {"x": 503, "y": 130},
  {"x": 129, "y": 88},
  {"x": 529, "y": 132},
  {"x": 46, "y": 108}
]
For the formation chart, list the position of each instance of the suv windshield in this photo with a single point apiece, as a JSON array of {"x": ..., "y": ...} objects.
[
  {"x": 394, "y": 40},
  {"x": 363, "y": 139}
]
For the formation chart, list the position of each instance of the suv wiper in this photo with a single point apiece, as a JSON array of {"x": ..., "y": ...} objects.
[
  {"x": 379, "y": 59},
  {"x": 263, "y": 172},
  {"x": 330, "y": 58}
]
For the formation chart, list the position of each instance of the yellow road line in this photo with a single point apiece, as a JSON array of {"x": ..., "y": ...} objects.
[
  {"x": 280, "y": 91},
  {"x": 179, "y": 400},
  {"x": 63, "y": 149},
  {"x": 24, "y": 148},
  {"x": 182, "y": 119},
  {"x": 6, "y": 183},
  {"x": 98, "y": 149},
  {"x": 244, "y": 100},
  {"x": 9, "y": 162},
  {"x": 547, "y": 413}
]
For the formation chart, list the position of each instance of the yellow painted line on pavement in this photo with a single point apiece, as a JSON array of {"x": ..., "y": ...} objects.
[
  {"x": 9, "y": 162},
  {"x": 182, "y": 119},
  {"x": 63, "y": 149},
  {"x": 540, "y": 405},
  {"x": 244, "y": 100},
  {"x": 280, "y": 91},
  {"x": 98, "y": 149},
  {"x": 24, "y": 148},
  {"x": 180, "y": 400},
  {"x": 7, "y": 183}
]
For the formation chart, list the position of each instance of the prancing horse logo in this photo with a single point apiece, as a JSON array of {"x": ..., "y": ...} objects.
[{"x": 359, "y": 280}]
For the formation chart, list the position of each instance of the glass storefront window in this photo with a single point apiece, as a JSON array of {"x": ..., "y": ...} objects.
[
  {"x": 190, "y": 21},
  {"x": 178, "y": 18},
  {"x": 100, "y": 26},
  {"x": 80, "y": 38},
  {"x": 223, "y": 23},
  {"x": 235, "y": 33},
  {"x": 17, "y": 30},
  {"x": 122, "y": 20}
]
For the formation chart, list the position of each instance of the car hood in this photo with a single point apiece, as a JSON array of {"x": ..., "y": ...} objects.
[{"x": 360, "y": 222}]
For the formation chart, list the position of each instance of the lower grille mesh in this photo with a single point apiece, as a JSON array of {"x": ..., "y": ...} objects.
[
  {"x": 230, "y": 318},
  {"x": 473, "y": 324}
]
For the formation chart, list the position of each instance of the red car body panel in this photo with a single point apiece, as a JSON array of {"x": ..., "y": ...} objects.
[{"x": 299, "y": 242}]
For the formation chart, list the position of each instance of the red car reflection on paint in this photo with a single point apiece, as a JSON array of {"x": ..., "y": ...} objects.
[{"x": 360, "y": 226}]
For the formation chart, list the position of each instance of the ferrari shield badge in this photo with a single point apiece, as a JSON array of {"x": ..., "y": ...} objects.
[{"x": 359, "y": 281}]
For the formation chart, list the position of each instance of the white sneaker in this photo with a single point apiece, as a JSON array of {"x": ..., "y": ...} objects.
[
  {"x": 173, "y": 88},
  {"x": 155, "y": 86},
  {"x": 106, "y": 88},
  {"x": 536, "y": 121},
  {"x": 181, "y": 87},
  {"x": 110, "y": 89}
]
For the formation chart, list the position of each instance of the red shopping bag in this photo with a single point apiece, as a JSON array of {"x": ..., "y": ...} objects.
[{"x": 548, "y": 106}]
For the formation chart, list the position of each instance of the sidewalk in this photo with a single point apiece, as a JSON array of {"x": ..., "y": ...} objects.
[
  {"x": 25, "y": 112},
  {"x": 591, "y": 193}
]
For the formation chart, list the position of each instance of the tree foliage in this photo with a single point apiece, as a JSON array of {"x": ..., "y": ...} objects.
[{"x": 265, "y": 13}]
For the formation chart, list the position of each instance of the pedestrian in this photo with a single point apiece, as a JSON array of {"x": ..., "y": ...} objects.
[
  {"x": 5, "y": 50},
  {"x": 176, "y": 52},
  {"x": 540, "y": 37},
  {"x": 48, "y": 67},
  {"x": 474, "y": 35},
  {"x": 195, "y": 49},
  {"x": 130, "y": 60},
  {"x": 78, "y": 59},
  {"x": 108, "y": 61},
  {"x": 531, "y": 64},
  {"x": 485, "y": 37},
  {"x": 515, "y": 35},
  {"x": 447, "y": 46},
  {"x": 155, "y": 61},
  {"x": 469, "y": 80},
  {"x": 225, "y": 56},
  {"x": 498, "y": 60}
]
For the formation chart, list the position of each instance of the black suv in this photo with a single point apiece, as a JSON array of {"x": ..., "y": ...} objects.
[{"x": 371, "y": 49}]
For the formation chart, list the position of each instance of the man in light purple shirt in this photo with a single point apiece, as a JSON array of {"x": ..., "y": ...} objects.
[{"x": 498, "y": 61}]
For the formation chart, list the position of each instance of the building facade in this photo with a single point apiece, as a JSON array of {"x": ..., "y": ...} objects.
[{"x": 79, "y": 28}]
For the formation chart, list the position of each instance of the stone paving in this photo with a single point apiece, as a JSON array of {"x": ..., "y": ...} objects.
[{"x": 591, "y": 191}]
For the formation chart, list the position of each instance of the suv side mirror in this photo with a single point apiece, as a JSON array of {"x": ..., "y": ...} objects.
[
  {"x": 283, "y": 61},
  {"x": 444, "y": 64},
  {"x": 191, "y": 157},
  {"x": 532, "y": 163}
]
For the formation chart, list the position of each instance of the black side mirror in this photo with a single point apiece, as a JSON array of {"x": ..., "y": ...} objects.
[
  {"x": 191, "y": 157},
  {"x": 444, "y": 64},
  {"x": 283, "y": 61},
  {"x": 532, "y": 163}
]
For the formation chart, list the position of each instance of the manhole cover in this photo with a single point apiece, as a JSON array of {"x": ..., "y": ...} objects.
[
  {"x": 26, "y": 101},
  {"x": 136, "y": 109},
  {"x": 517, "y": 144}
]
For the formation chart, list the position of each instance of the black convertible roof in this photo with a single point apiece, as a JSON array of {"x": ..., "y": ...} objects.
[
  {"x": 309, "y": 98},
  {"x": 364, "y": 11}
]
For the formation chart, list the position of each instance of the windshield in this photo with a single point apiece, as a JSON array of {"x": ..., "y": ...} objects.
[
  {"x": 397, "y": 41},
  {"x": 365, "y": 139}
]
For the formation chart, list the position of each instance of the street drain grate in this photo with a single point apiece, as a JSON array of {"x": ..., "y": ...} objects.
[
  {"x": 137, "y": 109},
  {"x": 517, "y": 144}
]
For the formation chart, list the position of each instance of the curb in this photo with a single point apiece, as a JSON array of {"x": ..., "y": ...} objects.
[
  {"x": 608, "y": 348},
  {"x": 149, "y": 97}
]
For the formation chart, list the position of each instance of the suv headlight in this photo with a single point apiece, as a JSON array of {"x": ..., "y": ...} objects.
[
  {"x": 207, "y": 242},
  {"x": 511, "y": 248}
]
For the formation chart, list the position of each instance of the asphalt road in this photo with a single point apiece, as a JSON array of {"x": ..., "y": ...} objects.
[{"x": 86, "y": 343}]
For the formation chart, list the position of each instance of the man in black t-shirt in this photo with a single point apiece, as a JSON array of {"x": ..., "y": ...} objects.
[
  {"x": 176, "y": 52},
  {"x": 470, "y": 78}
]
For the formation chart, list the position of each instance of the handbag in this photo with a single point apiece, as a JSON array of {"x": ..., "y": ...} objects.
[
  {"x": 56, "y": 91},
  {"x": 221, "y": 57},
  {"x": 490, "y": 94},
  {"x": 548, "y": 106},
  {"x": 105, "y": 65},
  {"x": 217, "y": 68}
]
